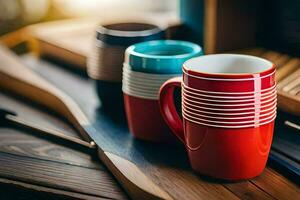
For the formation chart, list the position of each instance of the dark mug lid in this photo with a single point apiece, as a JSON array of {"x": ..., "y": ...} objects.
[{"x": 126, "y": 34}]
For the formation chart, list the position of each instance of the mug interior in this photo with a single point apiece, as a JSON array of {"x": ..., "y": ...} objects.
[
  {"x": 228, "y": 64},
  {"x": 130, "y": 26},
  {"x": 127, "y": 27},
  {"x": 165, "y": 50}
]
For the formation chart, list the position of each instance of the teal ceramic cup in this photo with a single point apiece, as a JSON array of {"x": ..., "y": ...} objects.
[{"x": 161, "y": 56}]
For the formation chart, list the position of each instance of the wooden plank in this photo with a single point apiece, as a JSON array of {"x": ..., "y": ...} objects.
[
  {"x": 22, "y": 143},
  {"x": 292, "y": 65},
  {"x": 16, "y": 190},
  {"x": 247, "y": 190},
  {"x": 277, "y": 185},
  {"x": 59, "y": 176}
]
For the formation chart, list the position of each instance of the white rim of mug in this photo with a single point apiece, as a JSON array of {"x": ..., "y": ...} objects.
[
  {"x": 219, "y": 124},
  {"x": 224, "y": 93},
  {"x": 141, "y": 92},
  {"x": 141, "y": 86},
  {"x": 150, "y": 76},
  {"x": 229, "y": 118},
  {"x": 231, "y": 97},
  {"x": 143, "y": 74},
  {"x": 274, "y": 107},
  {"x": 230, "y": 110},
  {"x": 144, "y": 84},
  {"x": 140, "y": 96},
  {"x": 152, "y": 81},
  {"x": 273, "y": 97},
  {"x": 141, "y": 89},
  {"x": 219, "y": 79},
  {"x": 186, "y": 93}
]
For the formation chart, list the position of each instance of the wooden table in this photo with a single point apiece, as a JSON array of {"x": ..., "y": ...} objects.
[
  {"x": 32, "y": 167},
  {"x": 54, "y": 169}
]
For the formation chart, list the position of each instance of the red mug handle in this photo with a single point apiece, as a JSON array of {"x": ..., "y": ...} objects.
[{"x": 168, "y": 109}]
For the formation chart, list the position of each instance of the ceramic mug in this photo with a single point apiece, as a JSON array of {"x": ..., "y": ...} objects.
[
  {"x": 229, "y": 73},
  {"x": 235, "y": 148},
  {"x": 221, "y": 151},
  {"x": 147, "y": 66},
  {"x": 161, "y": 56},
  {"x": 112, "y": 39},
  {"x": 145, "y": 121}
]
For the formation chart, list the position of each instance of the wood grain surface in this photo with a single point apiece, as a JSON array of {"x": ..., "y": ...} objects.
[
  {"x": 18, "y": 79},
  {"x": 167, "y": 166},
  {"x": 32, "y": 163}
]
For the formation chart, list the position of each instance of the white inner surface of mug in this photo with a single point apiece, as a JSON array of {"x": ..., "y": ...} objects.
[{"x": 228, "y": 64}]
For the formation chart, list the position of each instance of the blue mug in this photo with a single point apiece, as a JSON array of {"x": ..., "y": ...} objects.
[{"x": 161, "y": 56}]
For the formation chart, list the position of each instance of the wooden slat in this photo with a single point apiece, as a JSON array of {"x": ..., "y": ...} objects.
[
  {"x": 277, "y": 185},
  {"x": 22, "y": 143},
  {"x": 292, "y": 65},
  {"x": 247, "y": 190},
  {"x": 58, "y": 176},
  {"x": 17, "y": 190},
  {"x": 31, "y": 147}
]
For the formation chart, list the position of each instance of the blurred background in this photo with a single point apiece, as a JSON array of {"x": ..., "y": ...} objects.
[{"x": 18, "y": 13}]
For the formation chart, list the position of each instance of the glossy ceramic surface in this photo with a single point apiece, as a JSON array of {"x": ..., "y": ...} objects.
[
  {"x": 161, "y": 56},
  {"x": 224, "y": 153},
  {"x": 145, "y": 121},
  {"x": 228, "y": 140},
  {"x": 229, "y": 73}
]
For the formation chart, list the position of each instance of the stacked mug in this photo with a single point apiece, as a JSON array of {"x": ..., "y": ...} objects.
[
  {"x": 106, "y": 61},
  {"x": 147, "y": 66},
  {"x": 228, "y": 108}
]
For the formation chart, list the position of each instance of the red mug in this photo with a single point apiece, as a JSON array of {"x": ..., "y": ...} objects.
[
  {"x": 229, "y": 73},
  {"x": 233, "y": 153},
  {"x": 145, "y": 121}
]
